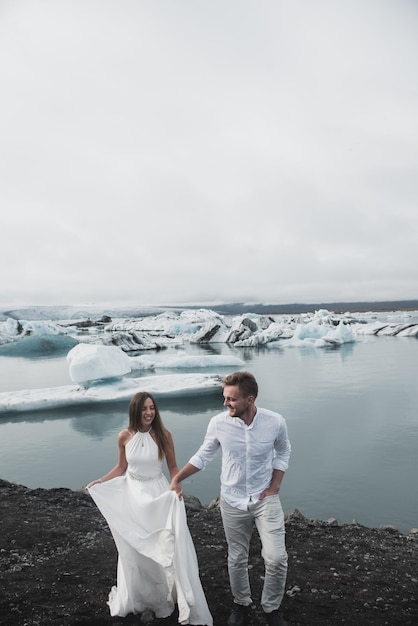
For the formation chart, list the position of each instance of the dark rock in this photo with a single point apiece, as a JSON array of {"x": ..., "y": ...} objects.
[
  {"x": 192, "y": 503},
  {"x": 58, "y": 562}
]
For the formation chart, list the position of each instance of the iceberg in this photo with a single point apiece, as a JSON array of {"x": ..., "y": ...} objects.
[
  {"x": 320, "y": 335},
  {"x": 32, "y": 336},
  {"x": 102, "y": 375},
  {"x": 176, "y": 329},
  {"x": 167, "y": 385},
  {"x": 387, "y": 329},
  {"x": 89, "y": 362}
]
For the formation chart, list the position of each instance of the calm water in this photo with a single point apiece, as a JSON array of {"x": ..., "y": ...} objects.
[{"x": 351, "y": 414}]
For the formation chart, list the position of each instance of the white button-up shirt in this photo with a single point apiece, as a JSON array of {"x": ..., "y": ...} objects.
[{"x": 249, "y": 453}]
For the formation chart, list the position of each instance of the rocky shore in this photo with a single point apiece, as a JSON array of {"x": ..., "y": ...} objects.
[{"x": 58, "y": 562}]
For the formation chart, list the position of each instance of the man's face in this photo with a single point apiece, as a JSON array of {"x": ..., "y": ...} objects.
[{"x": 237, "y": 404}]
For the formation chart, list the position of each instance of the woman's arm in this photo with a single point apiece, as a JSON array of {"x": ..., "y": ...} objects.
[
  {"x": 119, "y": 469},
  {"x": 170, "y": 456},
  {"x": 185, "y": 472}
]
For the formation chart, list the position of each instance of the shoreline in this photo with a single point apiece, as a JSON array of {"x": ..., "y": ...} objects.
[
  {"x": 58, "y": 563},
  {"x": 193, "y": 503}
]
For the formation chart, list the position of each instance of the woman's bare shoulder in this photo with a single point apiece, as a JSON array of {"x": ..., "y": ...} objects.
[{"x": 125, "y": 435}]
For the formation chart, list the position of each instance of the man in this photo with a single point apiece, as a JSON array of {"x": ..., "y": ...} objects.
[{"x": 255, "y": 455}]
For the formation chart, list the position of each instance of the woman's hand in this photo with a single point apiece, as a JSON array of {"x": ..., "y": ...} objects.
[
  {"x": 176, "y": 486},
  {"x": 93, "y": 482}
]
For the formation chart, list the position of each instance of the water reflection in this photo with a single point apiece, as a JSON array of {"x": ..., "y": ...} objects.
[
  {"x": 100, "y": 420},
  {"x": 99, "y": 423}
]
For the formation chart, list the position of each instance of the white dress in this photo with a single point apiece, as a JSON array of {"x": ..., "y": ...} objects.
[{"x": 157, "y": 563}]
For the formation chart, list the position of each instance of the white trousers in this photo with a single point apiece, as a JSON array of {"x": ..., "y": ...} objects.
[{"x": 267, "y": 515}]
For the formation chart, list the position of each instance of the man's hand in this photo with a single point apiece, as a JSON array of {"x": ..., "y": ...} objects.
[
  {"x": 274, "y": 487},
  {"x": 268, "y": 492}
]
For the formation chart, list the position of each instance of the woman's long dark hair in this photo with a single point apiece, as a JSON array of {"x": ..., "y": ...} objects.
[{"x": 135, "y": 415}]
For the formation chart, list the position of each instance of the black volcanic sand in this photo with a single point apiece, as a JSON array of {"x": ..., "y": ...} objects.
[{"x": 58, "y": 562}]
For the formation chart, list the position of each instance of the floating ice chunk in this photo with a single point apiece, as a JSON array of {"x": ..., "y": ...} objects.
[
  {"x": 88, "y": 362},
  {"x": 186, "y": 322},
  {"x": 320, "y": 335},
  {"x": 14, "y": 330},
  {"x": 343, "y": 333},
  {"x": 11, "y": 327},
  {"x": 41, "y": 328},
  {"x": 311, "y": 330},
  {"x": 411, "y": 330},
  {"x": 269, "y": 334},
  {"x": 168, "y": 385},
  {"x": 211, "y": 332},
  {"x": 10, "y": 330},
  {"x": 371, "y": 328},
  {"x": 323, "y": 314},
  {"x": 130, "y": 341},
  {"x": 387, "y": 329},
  {"x": 185, "y": 361},
  {"x": 399, "y": 314},
  {"x": 244, "y": 327}
]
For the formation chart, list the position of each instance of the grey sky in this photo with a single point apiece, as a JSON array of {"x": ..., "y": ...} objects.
[{"x": 173, "y": 151}]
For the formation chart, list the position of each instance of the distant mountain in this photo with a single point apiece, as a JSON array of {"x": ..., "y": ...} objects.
[
  {"x": 95, "y": 312},
  {"x": 297, "y": 307},
  {"x": 92, "y": 312}
]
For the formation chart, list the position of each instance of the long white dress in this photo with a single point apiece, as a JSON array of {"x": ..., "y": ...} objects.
[{"x": 157, "y": 563}]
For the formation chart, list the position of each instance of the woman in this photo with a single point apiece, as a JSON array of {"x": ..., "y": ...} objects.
[{"x": 157, "y": 563}]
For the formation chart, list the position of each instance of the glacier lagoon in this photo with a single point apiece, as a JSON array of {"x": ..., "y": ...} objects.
[{"x": 350, "y": 406}]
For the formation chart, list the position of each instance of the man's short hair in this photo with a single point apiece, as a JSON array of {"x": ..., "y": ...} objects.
[{"x": 244, "y": 380}]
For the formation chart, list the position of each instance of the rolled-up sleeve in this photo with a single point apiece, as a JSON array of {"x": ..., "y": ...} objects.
[
  {"x": 282, "y": 448},
  {"x": 208, "y": 449}
]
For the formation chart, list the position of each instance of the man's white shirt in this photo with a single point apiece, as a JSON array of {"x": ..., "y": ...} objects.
[{"x": 249, "y": 453}]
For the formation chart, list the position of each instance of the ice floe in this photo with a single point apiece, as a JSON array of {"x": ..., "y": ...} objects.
[
  {"x": 89, "y": 362},
  {"x": 167, "y": 385}
]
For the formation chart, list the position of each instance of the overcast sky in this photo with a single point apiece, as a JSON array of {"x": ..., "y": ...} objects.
[{"x": 186, "y": 151}]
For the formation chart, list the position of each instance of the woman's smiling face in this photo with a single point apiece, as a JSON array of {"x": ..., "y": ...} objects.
[{"x": 148, "y": 414}]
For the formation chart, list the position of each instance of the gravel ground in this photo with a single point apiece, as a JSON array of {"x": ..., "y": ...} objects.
[{"x": 58, "y": 562}]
